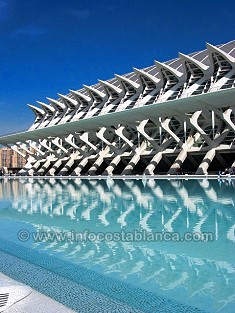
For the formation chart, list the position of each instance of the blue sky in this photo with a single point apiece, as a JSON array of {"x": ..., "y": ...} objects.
[{"x": 51, "y": 46}]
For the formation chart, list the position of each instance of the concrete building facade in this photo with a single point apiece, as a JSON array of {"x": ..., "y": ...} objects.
[
  {"x": 11, "y": 160},
  {"x": 170, "y": 117}
]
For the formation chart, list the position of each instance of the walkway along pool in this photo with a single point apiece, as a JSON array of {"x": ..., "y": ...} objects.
[{"x": 164, "y": 275}]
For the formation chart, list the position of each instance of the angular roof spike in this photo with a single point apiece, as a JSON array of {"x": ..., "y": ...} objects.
[
  {"x": 72, "y": 101},
  {"x": 227, "y": 57},
  {"x": 160, "y": 65},
  {"x": 95, "y": 91},
  {"x": 130, "y": 82},
  {"x": 56, "y": 104},
  {"x": 111, "y": 86},
  {"x": 154, "y": 79},
  {"x": 199, "y": 64},
  {"x": 46, "y": 107},
  {"x": 37, "y": 111},
  {"x": 80, "y": 95}
]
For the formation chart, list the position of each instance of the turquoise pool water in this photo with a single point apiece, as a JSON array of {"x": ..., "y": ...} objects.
[{"x": 197, "y": 273}]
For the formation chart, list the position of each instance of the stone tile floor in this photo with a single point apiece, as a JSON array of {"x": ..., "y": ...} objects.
[{"x": 32, "y": 300}]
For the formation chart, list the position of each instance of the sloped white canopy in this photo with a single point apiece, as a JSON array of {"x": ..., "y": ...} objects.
[
  {"x": 111, "y": 86},
  {"x": 56, "y": 104},
  {"x": 37, "y": 111},
  {"x": 70, "y": 102},
  {"x": 47, "y": 108},
  {"x": 204, "y": 68},
  {"x": 154, "y": 79},
  {"x": 225, "y": 55},
  {"x": 166, "y": 67},
  {"x": 95, "y": 92},
  {"x": 81, "y": 97},
  {"x": 135, "y": 85},
  {"x": 211, "y": 100}
]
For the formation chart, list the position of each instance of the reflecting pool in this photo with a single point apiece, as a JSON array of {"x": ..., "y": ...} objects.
[{"x": 198, "y": 271}]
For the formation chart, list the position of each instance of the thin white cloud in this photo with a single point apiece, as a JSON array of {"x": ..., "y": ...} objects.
[
  {"x": 81, "y": 13},
  {"x": 29, "y": 30},
  {"x": 3, "y": 9}
]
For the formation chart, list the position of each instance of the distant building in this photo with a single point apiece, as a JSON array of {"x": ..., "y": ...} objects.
[{"x": 11, "y": 159}]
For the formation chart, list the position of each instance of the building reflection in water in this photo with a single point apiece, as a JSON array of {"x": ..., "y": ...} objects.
[{"x": 198, "y": 269}]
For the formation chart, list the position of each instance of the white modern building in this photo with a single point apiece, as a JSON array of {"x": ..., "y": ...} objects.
[{"x": 172, "y": 116}]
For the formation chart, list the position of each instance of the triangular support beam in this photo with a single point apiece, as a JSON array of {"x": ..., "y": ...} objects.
[
  {"x": 204, "y": 68},
  {"x": 95, "y": 93},
  {"x": 179, "y": 75},
  {"x": 225, "y": 55},
  {"x": 68, "y": 101},
  {"x": 81, "y": 97},
  {"x": 37, "y": 111},
  {"x": 56, "y": 104},
  {"x": 111, "y": 86},
  {"x": 154, "y": 79},
  {"x": 46, "y": 107}
]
